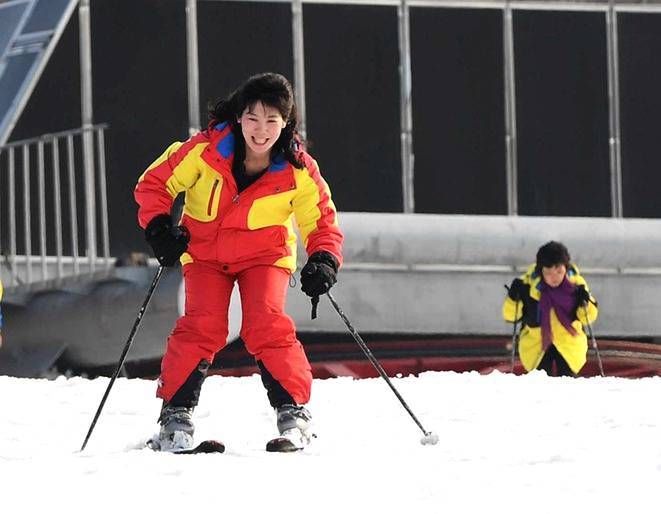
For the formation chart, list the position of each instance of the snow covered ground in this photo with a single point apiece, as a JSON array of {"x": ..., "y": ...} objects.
[{"x": 507, "y": 444}]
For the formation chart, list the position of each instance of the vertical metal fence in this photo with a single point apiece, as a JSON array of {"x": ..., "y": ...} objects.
[{"x": 53, "y": 207}]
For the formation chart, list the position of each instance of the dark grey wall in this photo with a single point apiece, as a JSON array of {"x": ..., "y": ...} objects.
[
  {"x": 139, "y": 53},
  {"x": 640, "y": 84},
  {"x": 458, "y": 111},
  {"x": 224, "y": 57},
  {"x": 562, "y": 113},
  {"x": 352, "y": 93},
  {"x": 352, "y": 89}
]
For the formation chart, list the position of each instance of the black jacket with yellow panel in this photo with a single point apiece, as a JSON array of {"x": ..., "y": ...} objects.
[{"x": 572, "y": 347}]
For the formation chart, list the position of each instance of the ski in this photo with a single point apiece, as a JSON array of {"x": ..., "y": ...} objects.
[
  {"x": 207, "y": 446},
  {"x": 276, "y": 445},
  {"x": 282, "y": 445}
]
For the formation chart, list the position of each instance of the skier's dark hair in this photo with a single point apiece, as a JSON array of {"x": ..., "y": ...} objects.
[
  {"x": 552, "y": 254},
  {"x": 271, "y": 89}
]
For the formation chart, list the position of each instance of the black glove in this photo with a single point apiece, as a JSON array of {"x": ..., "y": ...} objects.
[
  {"x": 167, "y": 241},
  {"x": 518, "y": 290},
  {"x": 582, "y": 295},
  {"x": 319, "y": 274}
]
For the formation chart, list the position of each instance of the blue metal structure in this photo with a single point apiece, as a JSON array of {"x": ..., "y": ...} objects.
[{"x": 29, "y": 32}]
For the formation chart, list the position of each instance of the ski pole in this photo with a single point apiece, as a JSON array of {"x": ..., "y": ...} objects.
[
  {"x": 514, "y": 328},
  {"x": 594, "y": 341},
  {"x": 127, "y": 347},
  {"x": 514, "y": 336},
  {"x": 429, "y": 437}
]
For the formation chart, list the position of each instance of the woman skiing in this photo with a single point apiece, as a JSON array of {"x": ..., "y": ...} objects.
[
  {"x": 245, "y": 178},
  {"x": 553, "y": 302}
]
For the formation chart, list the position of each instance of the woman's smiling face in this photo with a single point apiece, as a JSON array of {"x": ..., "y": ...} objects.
[{"x": 261, "y": 126}]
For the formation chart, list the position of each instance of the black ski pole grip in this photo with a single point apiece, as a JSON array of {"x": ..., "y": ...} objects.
[{"x": 315, "y": 301}]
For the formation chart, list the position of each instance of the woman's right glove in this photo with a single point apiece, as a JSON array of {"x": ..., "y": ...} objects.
[
  {"x": 319, "y": 274},
  {"x": 167, "y": 241},
  {"x": 518, "y": 290}
]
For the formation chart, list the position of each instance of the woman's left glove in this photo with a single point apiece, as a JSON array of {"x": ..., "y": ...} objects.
[{"x": 319, "y": 274}]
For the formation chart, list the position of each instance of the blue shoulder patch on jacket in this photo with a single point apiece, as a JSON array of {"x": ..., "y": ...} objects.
[
  {"x": 278, "y": 163},
  {"x": 225, "y": 146}
]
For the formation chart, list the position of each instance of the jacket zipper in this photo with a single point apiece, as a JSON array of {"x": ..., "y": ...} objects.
[
  {"x": 213, "y": 193},
  {"x": 235, "y": 198}
]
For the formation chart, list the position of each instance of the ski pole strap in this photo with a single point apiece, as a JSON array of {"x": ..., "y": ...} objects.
[{"x": 315, "y": 302}]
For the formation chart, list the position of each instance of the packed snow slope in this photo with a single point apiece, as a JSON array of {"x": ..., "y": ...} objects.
[{"x": 528, "y": 444}]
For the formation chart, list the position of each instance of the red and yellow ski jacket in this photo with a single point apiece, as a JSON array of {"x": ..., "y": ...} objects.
[{"x": 239, "y": 230}]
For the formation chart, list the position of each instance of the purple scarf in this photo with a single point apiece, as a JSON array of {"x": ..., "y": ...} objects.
[{"x": 562, "y": 300}]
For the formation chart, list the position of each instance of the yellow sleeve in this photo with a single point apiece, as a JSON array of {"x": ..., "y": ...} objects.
[
  {"x": 176, "y": 170},
  {"x": 512, "y": 311},
  {"x": 315, "y": 213}
]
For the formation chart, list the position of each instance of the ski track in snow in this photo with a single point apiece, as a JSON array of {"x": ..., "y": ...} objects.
[{"x": 507, "y": 444}]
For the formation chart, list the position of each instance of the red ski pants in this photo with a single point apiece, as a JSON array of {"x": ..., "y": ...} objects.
[{"x": 268, "y": 332}]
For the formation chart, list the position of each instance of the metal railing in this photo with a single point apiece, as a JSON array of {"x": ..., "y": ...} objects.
[{"x": 53, "y": 207}]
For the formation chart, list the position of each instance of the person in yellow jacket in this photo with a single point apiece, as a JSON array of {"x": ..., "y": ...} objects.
[{"x": 553, "y": 302}]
